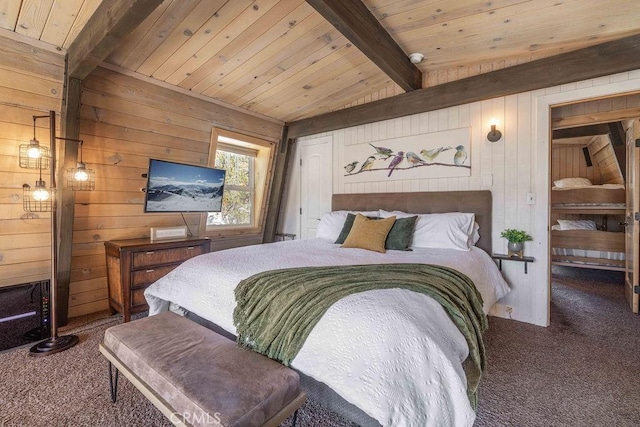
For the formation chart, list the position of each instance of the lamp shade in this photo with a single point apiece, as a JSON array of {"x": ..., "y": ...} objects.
[
  {"x": 80, "y": 178},
  {"x": 38, "y": 198},
  {"x": 34, "y": 156}
]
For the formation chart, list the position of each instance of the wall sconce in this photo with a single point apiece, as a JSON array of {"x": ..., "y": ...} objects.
[
  {"x": 80, "y": 178},
  {"x": 33, "y": 155},
  {"x": 494, "y": 135}
]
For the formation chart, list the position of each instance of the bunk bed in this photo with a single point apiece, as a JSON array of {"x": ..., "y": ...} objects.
[{"x": 579, "y": 242}]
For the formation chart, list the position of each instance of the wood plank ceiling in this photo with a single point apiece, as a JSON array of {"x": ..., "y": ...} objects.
[{"x": 282, "y": 59}]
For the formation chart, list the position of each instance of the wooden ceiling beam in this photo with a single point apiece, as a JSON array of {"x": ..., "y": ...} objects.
[
  {"x": 112, "y": 21},
  {"x": 357, "y": 24},
  {"x": 595, "y": 61},
  {"x": 581, "y": 131}
]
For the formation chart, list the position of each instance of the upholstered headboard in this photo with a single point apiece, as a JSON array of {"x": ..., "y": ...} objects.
[{"x": 478, "y": 202}]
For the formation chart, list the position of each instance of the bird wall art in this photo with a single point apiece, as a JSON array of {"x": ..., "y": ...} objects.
[{"x": 432, "y": 155}]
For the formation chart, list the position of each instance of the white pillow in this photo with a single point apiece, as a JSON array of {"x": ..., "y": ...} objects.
[
  {"x": 452, "y": 230},
  {"x": 572, "y": 182},
  {"x": 577, "y": 224},
  {"x": 331, "y": 223},
  {"x": 475, "y": 235}
]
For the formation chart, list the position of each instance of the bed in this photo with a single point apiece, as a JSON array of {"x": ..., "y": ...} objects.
[
  {"x": 581, "y": 238},
  {"x": 399, "y": 362}
]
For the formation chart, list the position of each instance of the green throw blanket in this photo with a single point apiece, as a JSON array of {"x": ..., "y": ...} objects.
[{"x": 276, "y": 310}]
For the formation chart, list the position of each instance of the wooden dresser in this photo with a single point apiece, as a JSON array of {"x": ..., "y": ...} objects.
[{"x": 132, "y": 265}]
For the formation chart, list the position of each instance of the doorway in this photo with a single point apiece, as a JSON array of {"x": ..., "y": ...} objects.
[{"x": 593, "y": 194}]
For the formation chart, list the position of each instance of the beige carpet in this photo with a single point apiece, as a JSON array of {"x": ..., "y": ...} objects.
[
  {"x": 71, "y": 388},
  {"x": 580, "y": 371}
]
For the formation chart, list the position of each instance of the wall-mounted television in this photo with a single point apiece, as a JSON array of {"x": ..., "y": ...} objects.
[{"x": 177, "y": 187}]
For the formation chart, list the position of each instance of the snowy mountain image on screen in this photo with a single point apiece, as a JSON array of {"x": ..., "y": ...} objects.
[{"x": 184, "y": 197}]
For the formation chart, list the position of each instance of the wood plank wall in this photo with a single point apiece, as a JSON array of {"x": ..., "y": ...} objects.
[
  {"x": 568, "y": 162},
  {"x": 124, "y": 122},
  {"x": 31, "y": 83}
]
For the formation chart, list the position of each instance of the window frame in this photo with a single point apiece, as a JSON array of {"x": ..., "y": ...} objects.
[{"x": 262, "y": 172}]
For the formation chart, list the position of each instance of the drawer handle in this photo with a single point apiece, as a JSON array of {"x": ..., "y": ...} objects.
[
  {"x": 190, "y": 248},
  {"x": 150, "y": 271},
  {"x": 150, "y": 253}
]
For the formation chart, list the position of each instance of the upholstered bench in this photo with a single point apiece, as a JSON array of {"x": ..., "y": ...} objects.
[{"x": 197, "y": 377}]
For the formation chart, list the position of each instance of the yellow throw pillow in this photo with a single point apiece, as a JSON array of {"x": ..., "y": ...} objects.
[{"x": 368, "y": 233}]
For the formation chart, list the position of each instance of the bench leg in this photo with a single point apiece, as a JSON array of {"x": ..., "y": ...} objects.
[
  {"x": 113, "y": 383},
  {"x": 295, "y": 419}
]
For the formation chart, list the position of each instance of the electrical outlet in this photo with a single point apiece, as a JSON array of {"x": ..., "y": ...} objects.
[{"x": 509, "y": 309}]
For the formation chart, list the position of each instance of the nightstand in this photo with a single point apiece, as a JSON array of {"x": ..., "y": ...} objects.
[
  {"x": 133, "y": 265},
  {"x": 502, "y": 257}
]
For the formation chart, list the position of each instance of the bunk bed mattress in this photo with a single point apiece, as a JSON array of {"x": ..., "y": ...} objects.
[{"x": 400, "y": 361}]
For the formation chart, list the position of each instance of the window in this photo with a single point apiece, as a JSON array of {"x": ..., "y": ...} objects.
[
  {"x": 247, "y": 161},
  {"x": 237, "y": 202}
]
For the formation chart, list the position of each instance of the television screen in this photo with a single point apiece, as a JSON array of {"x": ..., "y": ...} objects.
[{"x": 176, "y": 187}]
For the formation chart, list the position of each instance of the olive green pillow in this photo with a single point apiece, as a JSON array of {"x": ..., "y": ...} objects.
[
  {"x": 368, "y": 233},
  {"x": 401, "y": 234},
  {"x": 399, "y": 238}
]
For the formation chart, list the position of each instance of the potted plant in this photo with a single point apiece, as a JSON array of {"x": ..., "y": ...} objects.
[{"x": 516, "y": 240}]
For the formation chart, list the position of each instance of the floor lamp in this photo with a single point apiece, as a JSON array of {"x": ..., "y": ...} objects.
[{"x": 39, "y": 200}]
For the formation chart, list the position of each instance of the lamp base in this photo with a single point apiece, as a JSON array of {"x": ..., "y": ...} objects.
[{"x": 53, "y": 345}]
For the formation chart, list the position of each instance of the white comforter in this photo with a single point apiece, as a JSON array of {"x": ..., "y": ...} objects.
[{"x": 393, "y": 353}]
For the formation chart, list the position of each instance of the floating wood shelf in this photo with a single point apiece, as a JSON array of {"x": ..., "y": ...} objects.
[{"x": 503, "y": 257}]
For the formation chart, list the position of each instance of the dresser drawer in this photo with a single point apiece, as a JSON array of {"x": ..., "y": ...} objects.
[
  {"x": 146, "y": 277},
  {"x": 165, "y": 256},
  {"x": 137, "y": 298}
]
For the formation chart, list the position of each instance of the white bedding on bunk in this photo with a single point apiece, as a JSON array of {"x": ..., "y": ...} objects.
[{"x": 399, "y": 360}]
